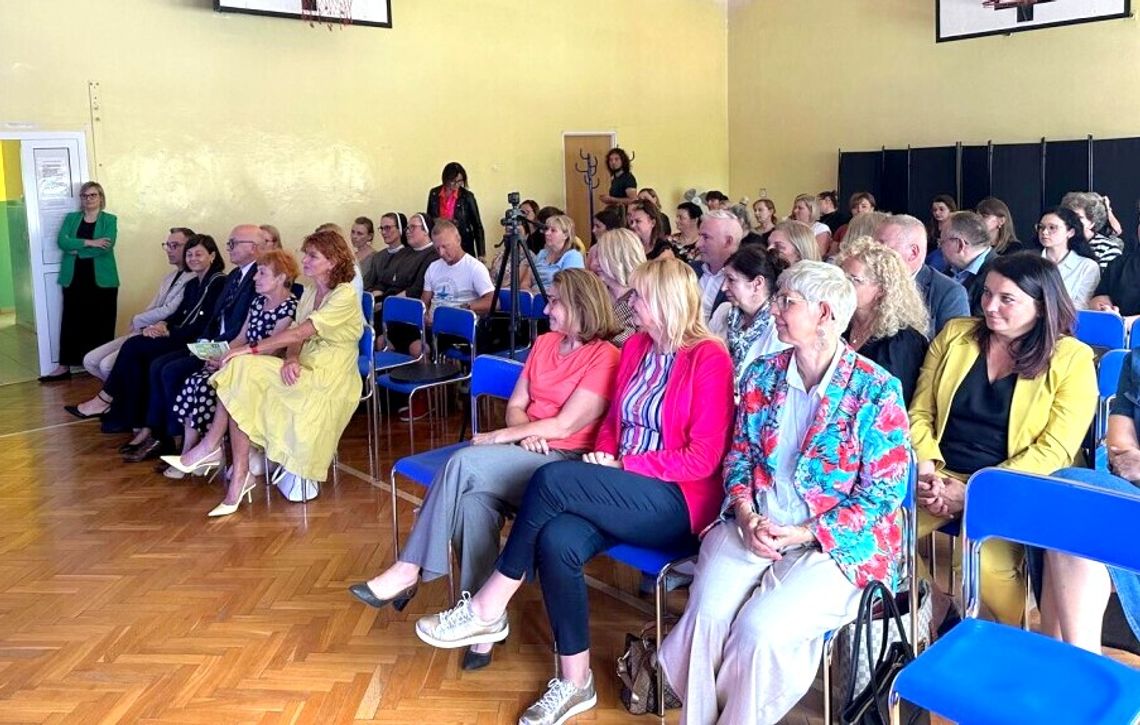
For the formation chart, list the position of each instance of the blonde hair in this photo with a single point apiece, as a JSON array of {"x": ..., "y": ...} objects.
[
  {"x": 587, "y": 303},
  {"x": 865, "y": 224},
  {"x": 812, "y": 203},
  {"x": 273, "y": 232},
  {"x": 801, "y": 237},
  {"x": 619, "y": 253},
  {"x": 565, "y": 224},
  {"x": 899, "y": 305},
  {"x": 668, "y": 287}
]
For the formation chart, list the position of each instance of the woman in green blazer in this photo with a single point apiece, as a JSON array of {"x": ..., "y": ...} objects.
[{"x": 89, "y": 280}]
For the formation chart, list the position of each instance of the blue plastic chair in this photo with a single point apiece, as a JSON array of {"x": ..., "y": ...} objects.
[
  {"x": 490, "y": 377},
  {"x": 526, "y": 310},
  {"x": 408, "y": 312},
  {"x": 984, "y": 672},
  {"x": 1100, "y": 329},
  {"x": 1107, "y": 379}
]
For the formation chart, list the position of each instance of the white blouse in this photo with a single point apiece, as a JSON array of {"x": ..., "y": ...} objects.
[{"x": 1081, "y": 275}]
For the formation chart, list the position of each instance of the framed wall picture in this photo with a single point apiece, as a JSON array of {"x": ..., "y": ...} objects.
[
  {"x": 329, "y": 12},
  {"x": 961, "y": 19}
]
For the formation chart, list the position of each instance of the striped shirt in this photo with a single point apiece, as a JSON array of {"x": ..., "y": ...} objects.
[
  {"x": 1106, "y": 249},
  {"x": 641, "y": 405}
]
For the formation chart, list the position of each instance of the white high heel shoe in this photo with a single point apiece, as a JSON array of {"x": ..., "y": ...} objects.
[
  {"x": 209, "y": 462},
  {"x": 225, "y": 509}
]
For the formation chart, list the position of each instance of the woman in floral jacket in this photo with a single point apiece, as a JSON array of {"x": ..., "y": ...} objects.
[{"x": 815, "y": 479}]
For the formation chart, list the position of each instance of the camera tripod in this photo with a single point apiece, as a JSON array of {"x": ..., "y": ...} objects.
[{"x": 515, "y": 251}]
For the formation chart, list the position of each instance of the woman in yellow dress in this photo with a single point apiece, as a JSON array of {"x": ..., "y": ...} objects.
[{"x": 294, "y": 408}]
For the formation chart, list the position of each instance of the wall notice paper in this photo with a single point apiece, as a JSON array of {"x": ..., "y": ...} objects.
[
  {"x": 206, "y": 350},
  {"x": 54, "y": 187}
]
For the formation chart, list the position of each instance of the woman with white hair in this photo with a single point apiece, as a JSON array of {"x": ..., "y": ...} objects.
[
  {"x": 652, "y": 480},
  {"x": 815, "y": 478}
]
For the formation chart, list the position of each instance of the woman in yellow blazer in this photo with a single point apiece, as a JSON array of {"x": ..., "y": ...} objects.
[
  {"x": 89, "y": 280},
  {"x": 1011, "y": 389}
]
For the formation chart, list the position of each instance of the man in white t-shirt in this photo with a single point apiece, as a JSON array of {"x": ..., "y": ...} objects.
[{"x": 456, "y": 279}]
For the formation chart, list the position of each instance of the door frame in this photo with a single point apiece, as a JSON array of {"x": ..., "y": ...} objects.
[
  {"x": 35, "y": 234},
  {"x": 565, "y": 135}
]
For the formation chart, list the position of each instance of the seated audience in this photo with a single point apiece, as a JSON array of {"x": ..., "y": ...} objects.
[
  {"x": 530, "y": 209},
  {"x": 552, "y": 415},
  {"x": 744, "y": 320},
  {"x": 361, "y": 236},
  {"x": 805, "y": 209},
  {"x": 941, "y": 207},
  {"x": 606, "y": 220},
  {"x": 357, "y": 275},
  {"x": 829, "y": 212},
  {"x": 794, "y": 242},
  {"x": 716, "y": 200},
  {"x": 166, "y": 300},
  {"x": 456, "y": 279},
  {"x": 1118, "y": 291},
  {"x": 861, "y": 202},
  {"x": 1011, "y": 388},
  {"x": 126, "y": 387},
  {"x": 810, "y": 517},
  {"x": 765, "y": 212},
  {"x": 563, "y": 250},
  {"x": 1074, "y": 591},
  {"x": 966, "y": 246},
  {"x": 945, "y": 299},
  {"x": 688, "y": 231},
  {"x": 269, "y": 238},
  {"x": 645, "y": 221},
  {"x": 648, "y": 194},
  {"x": 1063, "y": 243},
  {"x": 721, "y": 233},
  {"x": 652, "y": 480},
  {"x": 890, "y": 320},
  {"x": 999, "y": 223},
  {"x": 295, "y": 408},
  {"x": 271, "y": 312},
  {"x": 537, "y": 238},
  {"x": 615, "y": 256},
  {"x": 453, "y": 201},
  {"x": 1093, "y": 212}
]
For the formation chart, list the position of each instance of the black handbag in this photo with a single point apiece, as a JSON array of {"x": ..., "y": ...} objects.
[{"x": 870, "y": 706}]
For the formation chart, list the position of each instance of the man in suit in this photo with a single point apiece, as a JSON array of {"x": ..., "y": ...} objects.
[
  {"x": 966, "y": 246},
  {"x": 945, "y": 299},
  {"x": 169, "y": 372}
]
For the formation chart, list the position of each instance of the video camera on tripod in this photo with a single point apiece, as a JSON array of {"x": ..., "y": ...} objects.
[{"x": 515, "y": 250}]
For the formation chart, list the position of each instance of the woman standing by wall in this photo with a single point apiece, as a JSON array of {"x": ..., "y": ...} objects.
[
  {"x": 452, "y": 200},
  {"x": 89, "y": 279}
]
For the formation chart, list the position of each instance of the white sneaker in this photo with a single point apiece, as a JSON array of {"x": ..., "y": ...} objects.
[
  {"x": 561, "y": 701},
  {"x": 459, "y": 627}
]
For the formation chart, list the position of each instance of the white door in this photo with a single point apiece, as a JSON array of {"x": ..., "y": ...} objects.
[{"x": 54, "y": 167}]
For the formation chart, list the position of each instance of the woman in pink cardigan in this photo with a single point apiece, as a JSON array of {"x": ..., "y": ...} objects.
[{"x": 653, "y": 480}]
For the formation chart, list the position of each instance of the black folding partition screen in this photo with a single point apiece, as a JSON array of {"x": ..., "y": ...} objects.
[{"x": 1028, "y": 177}]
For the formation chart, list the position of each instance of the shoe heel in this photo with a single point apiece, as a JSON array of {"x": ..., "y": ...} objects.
[{"x": 399, "y": 604}]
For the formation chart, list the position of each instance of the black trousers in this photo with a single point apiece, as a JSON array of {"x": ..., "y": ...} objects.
[{"x": 88, "y": 317}]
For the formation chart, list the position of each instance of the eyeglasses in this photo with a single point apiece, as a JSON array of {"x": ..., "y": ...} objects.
[
  {"x": 783, "y": 300},
  {"x": 172, "y": 245},
  {"x": 90, "y": 195},
  {"x": 1050, "y": 228},
  {"x": 387, "y": 227},
  {"x": 231, "y": 244}
]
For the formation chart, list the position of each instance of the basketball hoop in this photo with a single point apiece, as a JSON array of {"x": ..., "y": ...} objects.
[{"x": 330, "y": 13}]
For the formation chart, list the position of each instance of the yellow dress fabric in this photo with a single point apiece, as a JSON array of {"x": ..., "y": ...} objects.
[{"x": 299, "y": 425}]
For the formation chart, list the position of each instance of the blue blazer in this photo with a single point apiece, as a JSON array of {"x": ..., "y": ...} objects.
[{"x": 232, "y": 307}]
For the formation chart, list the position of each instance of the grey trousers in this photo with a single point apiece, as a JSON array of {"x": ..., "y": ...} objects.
[
  {"x": 466, "y": 506},
  {"x": 99, "y": 361},
  {"x": 749, "y": 643}
]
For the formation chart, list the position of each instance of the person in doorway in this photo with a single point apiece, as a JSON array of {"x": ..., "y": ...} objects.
[{"x": 89, "y": 278}]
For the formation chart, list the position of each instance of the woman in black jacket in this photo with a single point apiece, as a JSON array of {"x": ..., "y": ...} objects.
[
  {"x": 452, "y": 200},
  {"x": 126, "y": 392}
]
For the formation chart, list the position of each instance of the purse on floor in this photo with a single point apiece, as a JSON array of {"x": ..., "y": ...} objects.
[
  {"x": 637, "y": 671},
  {"x": 883, "y": 656}
]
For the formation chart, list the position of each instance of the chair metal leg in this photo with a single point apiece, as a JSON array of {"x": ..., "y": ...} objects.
[
  {"x": 659, "y": 613},
  {"x": 395, "y": 521},
  {"x": 827, "y": 682},
  {"x": 894, "y": 707}
]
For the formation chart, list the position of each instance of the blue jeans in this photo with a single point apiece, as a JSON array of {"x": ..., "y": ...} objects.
[{"x": 573, "y": 511}]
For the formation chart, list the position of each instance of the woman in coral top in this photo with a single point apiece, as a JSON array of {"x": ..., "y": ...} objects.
[
  {"x": 552, "y": 415},
  {"x": 652, "y": 480}
]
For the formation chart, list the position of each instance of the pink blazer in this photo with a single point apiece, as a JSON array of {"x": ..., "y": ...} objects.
[{"x": 697, "y": 414}]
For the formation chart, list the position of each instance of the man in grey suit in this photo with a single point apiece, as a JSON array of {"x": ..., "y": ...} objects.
[{"x": 945, "y": 298}]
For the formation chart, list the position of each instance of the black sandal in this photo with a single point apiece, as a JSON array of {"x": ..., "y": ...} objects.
[{"x": 74, "y": 409}]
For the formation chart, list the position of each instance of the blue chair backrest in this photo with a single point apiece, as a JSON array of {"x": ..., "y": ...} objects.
[
  {"x": 538, "y": 307},
  {"x": 525, "y": 302},
  {"x": 405, "y": 310},
  {"x": 454, "y": 321},
  {"x": 1108, "y": 372},
  {"x": 368, "y": 306},
  {"x": 1028, "y": 509},
  {"x": 1100, "y": 329},
  {"x": 494, "y": 376},
  {"x": 364, "y": 358}
]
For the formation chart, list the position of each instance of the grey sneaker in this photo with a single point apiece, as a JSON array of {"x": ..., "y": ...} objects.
[
  {"x": 561, "y": 701},
  {"x": 459, "y": 627}
]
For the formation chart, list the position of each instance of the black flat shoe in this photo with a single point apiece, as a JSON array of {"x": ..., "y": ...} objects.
[
  {"x": 74, "y": 410},
  {"x": 150, "y": 448},
  {"x": 398, "y": 602},
  {"x": 58, "y": 377},
  {"x": 473, "y": 660},
  {"x": 128, "y": 448}
]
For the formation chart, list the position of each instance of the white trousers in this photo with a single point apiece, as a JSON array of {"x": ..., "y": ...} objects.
[
  {"x": 99, "y": 361},
  {"x": 748, "y": 647}
]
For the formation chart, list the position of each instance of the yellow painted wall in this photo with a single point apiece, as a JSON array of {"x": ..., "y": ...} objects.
[
  {"x": 11, "y": 184},
  {"x": 811, "y": 76},
  {"x": 210, "y": 119}
]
